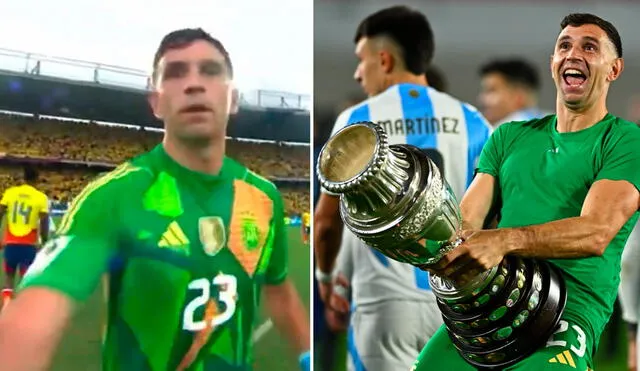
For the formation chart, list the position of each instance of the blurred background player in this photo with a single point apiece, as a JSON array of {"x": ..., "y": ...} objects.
[
  {"x": 509, "y": 91},
  {"x": 26, "y": 226},
  {"x": 629, "y": 293},
  {"x": 306, "y": 226},
  {"x": 394, "y": 311},
  {"x": 338, "y": 311}
]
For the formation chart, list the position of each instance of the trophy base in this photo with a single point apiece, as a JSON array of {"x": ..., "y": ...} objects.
[{"x": 510, "y": 318}]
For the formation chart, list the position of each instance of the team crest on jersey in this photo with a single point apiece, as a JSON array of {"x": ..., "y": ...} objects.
[
  {"x": 213, "y": 236},
  {"x": 250, "y": 232},
  {"x": 413, "y": 93}
]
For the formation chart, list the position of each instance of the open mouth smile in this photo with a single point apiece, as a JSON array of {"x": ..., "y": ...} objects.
[{"x": 574, "y": 77}]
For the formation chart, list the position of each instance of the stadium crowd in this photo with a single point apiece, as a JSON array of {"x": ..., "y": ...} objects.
[{"x": 50, "y": 139}]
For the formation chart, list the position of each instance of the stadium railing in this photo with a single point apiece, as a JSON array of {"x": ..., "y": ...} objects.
[{"x": 105, "y": 74}]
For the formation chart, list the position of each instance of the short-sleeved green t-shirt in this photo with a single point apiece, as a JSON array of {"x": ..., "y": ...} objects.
[
  {"x": 544, "y": 175},
  {"x": 196, "y": 249}
]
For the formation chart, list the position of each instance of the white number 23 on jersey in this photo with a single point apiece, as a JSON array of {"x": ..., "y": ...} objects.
[{"x": 227, "y": 294}]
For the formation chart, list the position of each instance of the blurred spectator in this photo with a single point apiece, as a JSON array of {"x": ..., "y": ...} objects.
[{"x": 509, "y": 91}]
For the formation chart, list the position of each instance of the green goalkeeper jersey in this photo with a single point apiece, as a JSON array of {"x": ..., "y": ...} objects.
[
  {"x": 544, "y": 176},
  {"x": 196, "y": 249}
]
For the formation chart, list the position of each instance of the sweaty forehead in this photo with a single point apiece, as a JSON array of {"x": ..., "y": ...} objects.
[
  {"x": 196, "y": 51},
  {"x": 580, "y": 32}
]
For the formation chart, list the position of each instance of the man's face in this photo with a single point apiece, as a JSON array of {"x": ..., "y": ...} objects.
[
  {"x": 583, "y": 65},
  {"x": 193, "y": 92},
  {"x": 498, "y": 98},
  {"x": 370, "y": 70}
]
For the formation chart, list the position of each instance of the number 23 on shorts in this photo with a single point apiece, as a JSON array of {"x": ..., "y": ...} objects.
[{"x": 572, "y": 338}]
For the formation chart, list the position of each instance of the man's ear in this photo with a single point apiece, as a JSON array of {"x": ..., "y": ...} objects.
[
  {"x": 387, "y": 61},
  {"x": 154, "y": 103},
  {"x": 616, "y": 69}
]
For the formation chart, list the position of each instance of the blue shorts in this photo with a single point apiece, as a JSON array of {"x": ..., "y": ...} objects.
[{"x": 18, "y": 256}]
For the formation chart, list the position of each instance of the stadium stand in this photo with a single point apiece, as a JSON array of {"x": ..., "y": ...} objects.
[
  {"x": 63, "y": 140},
  {"x": 70, "y": 152},
  {"x": 53, "y": 140}
]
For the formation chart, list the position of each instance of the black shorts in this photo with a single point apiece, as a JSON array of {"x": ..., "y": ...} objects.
[{"x": 18, "y": 256}]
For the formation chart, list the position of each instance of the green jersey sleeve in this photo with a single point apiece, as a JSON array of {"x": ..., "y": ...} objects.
[
  {"x": 278, "y": 263},
  {"x": 492, "y": 153},
  {"x": 75, "y": 258},
  {"x": 621, "y": 156}
]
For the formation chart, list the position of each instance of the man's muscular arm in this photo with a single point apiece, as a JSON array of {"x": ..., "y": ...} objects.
[
  {"x": 31, "y": 329},
  {"x": 44, "y": 227},
  {"x": 477, "y": 202},
  {"x": 608, "y": 205},
  {"x": 327, "y": 232},
  {"x": 288, "y": 314}
]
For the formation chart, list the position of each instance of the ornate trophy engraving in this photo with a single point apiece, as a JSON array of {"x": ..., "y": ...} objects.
[{"x": 394, "y": 198}]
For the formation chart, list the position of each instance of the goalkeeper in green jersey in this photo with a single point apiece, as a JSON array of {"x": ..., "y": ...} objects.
[
  {"x": 566, "y": 188},
  {"x": 198, "y": 237}
]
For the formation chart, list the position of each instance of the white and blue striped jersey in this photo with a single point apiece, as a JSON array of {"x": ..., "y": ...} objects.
[{"x": 452, "y": 133}]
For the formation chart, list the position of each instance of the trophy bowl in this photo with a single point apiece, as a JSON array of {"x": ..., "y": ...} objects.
[{"x": 394, "y": 198}]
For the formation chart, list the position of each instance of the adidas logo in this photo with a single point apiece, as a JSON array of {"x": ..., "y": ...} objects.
[
  {"x": 174, "y": 238},
  {"x": 565, "y": 358}
]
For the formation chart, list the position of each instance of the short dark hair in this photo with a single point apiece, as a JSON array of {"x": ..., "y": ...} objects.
[
  {"x": 408, "y": 28},
  {"x": 580, "y": 19},
  {"x": 437, "y": 79},
  {"x": 30, "y": 174},
  {"x": 182, "y": 38},
  {"x": 515, "y": 71}
]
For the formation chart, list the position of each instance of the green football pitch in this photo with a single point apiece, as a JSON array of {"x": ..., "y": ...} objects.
[{"x": 80, "y": 348}]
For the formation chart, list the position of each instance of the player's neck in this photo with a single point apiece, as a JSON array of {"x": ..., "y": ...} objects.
[
  {"x": 407, "y": 78},
  {"x": 570, "y": 120},
  {"x": 205, "y": 159}
]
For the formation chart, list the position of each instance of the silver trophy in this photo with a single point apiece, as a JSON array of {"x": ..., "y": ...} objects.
[{"x": 394, "y": 198}]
